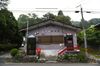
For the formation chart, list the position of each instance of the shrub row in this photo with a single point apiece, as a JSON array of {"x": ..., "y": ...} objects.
[{"x": 72, "y": 58}]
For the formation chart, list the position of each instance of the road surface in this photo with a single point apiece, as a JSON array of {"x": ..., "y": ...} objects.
[
  {"x": 1, "y": 60},
  {"x": 48, "y": 64}
]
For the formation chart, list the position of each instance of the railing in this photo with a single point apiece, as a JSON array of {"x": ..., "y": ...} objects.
[{"x": 67, "y": 49}]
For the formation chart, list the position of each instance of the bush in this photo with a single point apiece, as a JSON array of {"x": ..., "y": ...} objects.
[
  {"x": 81, "y": 58},
  {"x": 72, "y": 58},
  {"x": 59, "y": 58},
  {"x": 14, "y": 52},
  {"x": 66, "y": 56}
]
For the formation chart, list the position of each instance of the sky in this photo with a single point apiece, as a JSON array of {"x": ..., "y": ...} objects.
[{"x": 33, "y": 6}]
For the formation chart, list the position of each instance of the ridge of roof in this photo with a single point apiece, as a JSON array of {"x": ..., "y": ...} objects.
[{"x": 46, "y": 22}]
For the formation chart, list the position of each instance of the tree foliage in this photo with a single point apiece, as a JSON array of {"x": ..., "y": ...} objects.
[
  {"x": 3, "y": 4},
  {"x": 14, "y": 52},
  {"x": 9, "y": 33},
  {"x": 48, "y": 16},
  {"x": 30, "y": 18},
  {"x": 22, "y": 20},
  {"x": 93, "y": 38},
  {"x": 60, "y": 13},
  {"x": 63, "y": 19}
]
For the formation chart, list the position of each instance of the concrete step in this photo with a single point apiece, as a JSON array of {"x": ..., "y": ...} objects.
[
  {"x": 51, "y": 61},
  {"x": 51, "y": 58}
]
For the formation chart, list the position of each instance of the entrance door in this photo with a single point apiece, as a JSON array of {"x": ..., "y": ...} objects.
[{"x": 68, "y": 40}]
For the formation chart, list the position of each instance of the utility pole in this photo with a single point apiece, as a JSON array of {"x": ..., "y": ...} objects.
[
  {"x": 27, "y": 26},
  {"x": 84, "y": 32},
  {"x": 26, "y": 40},
  {"x": 83, "y": 26},
  {"x": 27, "y": 35}
]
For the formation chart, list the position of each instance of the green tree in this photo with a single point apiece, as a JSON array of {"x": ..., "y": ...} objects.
[
  {"x": 60, "y": 13},
  {"x": 3, "y": 4},
  {"x": 63, "y": 19},
  {"x": 48, "y": 16},
  {"x": 22, "y": 21},
  {"x": 31, "y": 19},
  {"x": 9, "y": 33},
  {"x": 93, "y": 38},
  {"x": 34, "y": 16}
]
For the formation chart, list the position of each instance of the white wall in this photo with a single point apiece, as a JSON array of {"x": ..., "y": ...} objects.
[{"x": 50, "y": 30}]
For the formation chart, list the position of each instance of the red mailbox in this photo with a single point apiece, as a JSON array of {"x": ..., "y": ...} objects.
[{"x": 38, "y": 51}]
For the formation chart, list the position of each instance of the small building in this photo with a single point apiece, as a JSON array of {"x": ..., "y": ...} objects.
[{"x": 54, "y": 37}]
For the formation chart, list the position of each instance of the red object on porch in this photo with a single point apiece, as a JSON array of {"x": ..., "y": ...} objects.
[
  {"x": 38, "y": 51},
  {"x": 62, "y": 51},
  {"x": 67, "y": 49}
]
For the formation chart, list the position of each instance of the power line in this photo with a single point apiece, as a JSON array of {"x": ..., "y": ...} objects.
[
  {"x": 30, "y": 11},
  {"x": 46, "y": 8}
]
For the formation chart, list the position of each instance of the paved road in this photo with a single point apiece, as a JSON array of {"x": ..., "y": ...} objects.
[
  {"x": 1, "y": 60},
  {"x": 49, "y": 64},
  {"x": 3, "y": 56}
]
